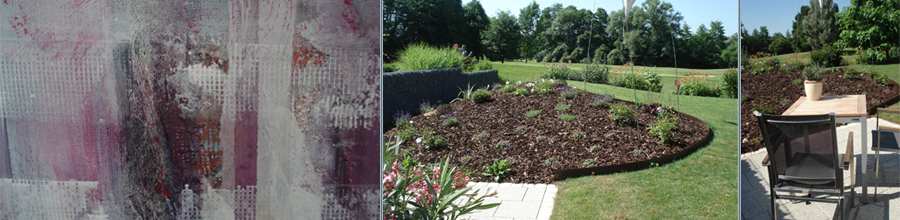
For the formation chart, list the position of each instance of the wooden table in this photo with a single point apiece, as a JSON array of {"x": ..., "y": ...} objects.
[{"x": 847, "y": 109}]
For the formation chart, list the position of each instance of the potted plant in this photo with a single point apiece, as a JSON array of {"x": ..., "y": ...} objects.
[{"x": 812, "y": 82}]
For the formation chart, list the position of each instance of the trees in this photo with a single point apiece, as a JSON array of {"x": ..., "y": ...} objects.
[
  {"x": 649, "y": 33},
  {"x": 433, "y": 22},
  {"x": 501, "y": 38},
  {"x": 569, "y": 34},
  {"x": 476, "y": 21},
  {"x": 819, "y": 26},
  {"x": 871, "y": 25},
  {"x": 528, "y": 20},
  {"x": 798, "y": 42}
]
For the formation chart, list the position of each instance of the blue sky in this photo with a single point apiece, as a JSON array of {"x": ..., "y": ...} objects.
[
  {"x": 776, "y": 15},
  {"x": 694, "y": 12}
]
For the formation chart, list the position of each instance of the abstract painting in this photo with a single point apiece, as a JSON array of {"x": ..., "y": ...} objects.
[{"x": 190, "y": 109}]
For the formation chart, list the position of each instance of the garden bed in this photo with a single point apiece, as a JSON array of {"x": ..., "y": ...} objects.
[
  {"x": 473, "y": 143},
  {"x": 778, "y": 89}
]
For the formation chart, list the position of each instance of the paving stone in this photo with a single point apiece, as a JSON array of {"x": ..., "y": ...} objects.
[
  {"x": 518, "y": 209},
  {"x": 511, "y": 193},
  {"x": 535, "y": 194}
]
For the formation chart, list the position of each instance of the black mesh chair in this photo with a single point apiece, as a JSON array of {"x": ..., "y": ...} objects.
[
  {"x": 803, "y": 158},
  {"x": 883, "y": 139}
]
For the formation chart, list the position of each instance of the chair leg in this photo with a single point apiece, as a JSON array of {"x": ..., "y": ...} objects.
[{"x": 774, "y": 209}]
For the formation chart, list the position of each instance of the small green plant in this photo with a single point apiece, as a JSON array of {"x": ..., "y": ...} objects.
[
  {"x": 430, "y": 140},
  {"x": 521, "y": 129},
  {"x": 763, "y": 108},
  {"x": 882, "y": 79},
  {"x": 844, "y": 88},
  {"x": 508, "y": 88},
  {"x": 464, "y": 93},
  {"x": 502, "y": 144},
  {"x": 402, "y": 119},
  {"x": 407, "y": 133},
  {"x": 729, "y": 83},
  {"x": 480, "y": 135},
  {"x": 638, "y": 152},
  {"x": 784, "y": 101},
  {"x": 813, "y": 73},
  {"x": 566, "y": 117},
  {"x": 850, "y": 73},
  {"x": 577, "y": 135},
  {"x": 551, "y": 162},
  {"x": 602, "y": 101},
  {"x": 567, "y": 93},
  {"x": 664, "y": 128},
  {"x": 589, "y": 163},
  {"x": 497, "y": 170},
  {"x": 696, "y": 86},
  {"x": 620, "y": 113},
  {"x": 520, "y": 92},
  {"x": 450, "y": 120},
  {"x": 542, "y": 87},
  {"x": 559, "y": 70},
  {"x": 532, "y": 113},
  {"x": 563, "y": 107},
  {"x": 425, "y": 106},
  {"x": 612, "y": 134},
  {"x": 796, "y": 81},
  {"x": 595, "y": 149},
  {"x": 481, "y": 96},
  {"x": 875, "y": 102},
  {"x": 465, "y": 159},
  {"x": 541, "y": 139}
]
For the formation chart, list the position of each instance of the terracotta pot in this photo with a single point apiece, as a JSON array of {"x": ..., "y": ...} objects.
[{"x": 813, "y": 90}]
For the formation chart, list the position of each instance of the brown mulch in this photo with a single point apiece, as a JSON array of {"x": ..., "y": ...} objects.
[
  {"x": 774, "y": 89},
  {"x": 500, "y": 118}
]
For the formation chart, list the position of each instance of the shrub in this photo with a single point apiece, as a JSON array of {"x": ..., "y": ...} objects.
[
  {"x": 520, "y": 92},
  {"x": 450, "y": 120},
  {"x": 882, "y": 78},
  {"x": 508, "y": 88},
  {"x": 595, "y": 149},
  {"x": 464, "y": 93},
  {"x": 663, "y": 128},
  {"x": 762, "y": 63},
  {"x": 559, "y": 70},
  {"x": 532, "y": 113},
  {"x": 828, "y": 56},
  {"x": 567, "y": 93},
  {"x": 813, "y": 73},
  {"x": 481, "y": 96},
  {"x": 503, "y": 144},
  {"x": 401, "y": 119},
  {"x": 407, "y": 133},
  {"x": 542, "y": 88},
  {"x": 602, "y": 101},
  {"x": 596, "y": 73},
  {"x": 482, "y": 64},
  {"x": 420, "y": 192},
  {"x": 696, "y": 86},
  {"x": 563, "y": 107},
  {"x": 566, "y": 117},
  {"x": 423, "y": 57},
  {"x": 589, "y": 163},
  {"x": 642, "y": 80},
  {"x": 550, "y": 162},
  {"x": 850, "y": 73},
  {"x": 498, "y": 170},
  {"x": 620, "y": 113},
  {"x": 730, "y": 83},
  {"x": 432, "y": 141},
  {"x": 425, "y": 106}
]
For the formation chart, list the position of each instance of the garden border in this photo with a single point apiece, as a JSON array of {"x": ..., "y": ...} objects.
[
  {"x": 564, "y": 174},
  {"x": 403, "y": 91}
]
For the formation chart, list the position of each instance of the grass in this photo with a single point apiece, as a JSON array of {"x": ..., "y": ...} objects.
[
  {"x": 520, "y": 71},
  {"x": 703, "y": 185}
]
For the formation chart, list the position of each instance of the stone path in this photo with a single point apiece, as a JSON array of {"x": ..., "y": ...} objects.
[
  {"x": 517, "y": 201},
  {"x": 756, "y": 204}
]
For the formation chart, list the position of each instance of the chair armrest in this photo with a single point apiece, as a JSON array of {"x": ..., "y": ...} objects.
[
  {"x": 886, "y": 128},
  {"x": 765, "y": 161},
  {"x": 848, "y": 155},
  {"x": 889, "y": 110}
]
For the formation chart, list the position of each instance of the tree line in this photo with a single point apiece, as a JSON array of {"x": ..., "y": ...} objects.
[
  {"x": 653, "y": 34},
  {"x": 870, "y": 26}
]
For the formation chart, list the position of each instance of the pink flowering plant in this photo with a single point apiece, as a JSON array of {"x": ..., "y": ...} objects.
[{"x": 414, "y": 191}]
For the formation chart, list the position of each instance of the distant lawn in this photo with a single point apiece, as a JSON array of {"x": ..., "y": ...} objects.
[
  {"x": 520, "y": 71},
  {"x": 701, "y": 186}
]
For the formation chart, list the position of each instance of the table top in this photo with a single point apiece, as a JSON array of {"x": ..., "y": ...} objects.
[{"x": 841, "y": 105}]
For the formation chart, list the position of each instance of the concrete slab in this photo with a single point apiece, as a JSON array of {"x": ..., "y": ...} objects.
[{"x": 518, "y": 209}]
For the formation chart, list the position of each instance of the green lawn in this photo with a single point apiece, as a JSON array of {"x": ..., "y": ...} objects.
[
  {"x": 703, "y": 185},
  {"x": 520, "y": 71}
]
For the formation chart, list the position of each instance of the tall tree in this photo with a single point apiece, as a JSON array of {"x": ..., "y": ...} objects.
[
  {"x": 819, "y": 26},
  {"x": 649, "y": 34},
  {"x": 502, "y": 36},
  {"x": 528, "y": 19},
  {"x": 476, "y": 22},
  {"x": 799, "y": 42},
  {"x": 434, "y": 22},
  {"x": 872, "y": 26}
]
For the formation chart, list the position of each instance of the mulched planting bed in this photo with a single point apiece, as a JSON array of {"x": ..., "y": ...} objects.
[
  {"x": 543, "y": 137},
  {"x": 774, "y": 89}
]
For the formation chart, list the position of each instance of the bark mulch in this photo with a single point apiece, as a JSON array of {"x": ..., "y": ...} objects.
[
  {"x": 776, "y": 91},
  {"x": 533, "y": 140}
]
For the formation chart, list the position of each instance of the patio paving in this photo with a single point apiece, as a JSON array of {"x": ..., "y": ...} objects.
[
  {"x": 755, "y": 202},
  {"x": 517, "y": 201}
]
